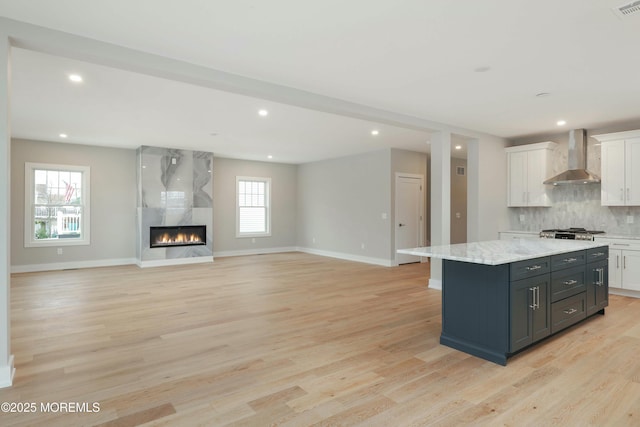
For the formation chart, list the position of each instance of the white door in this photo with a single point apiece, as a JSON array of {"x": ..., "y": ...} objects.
[
  {"x": 408, "y": 215},
  {"x": 632, "y": 180},
  {"x": 612, "y": 187},
  {"x": 631, "y": 270}
]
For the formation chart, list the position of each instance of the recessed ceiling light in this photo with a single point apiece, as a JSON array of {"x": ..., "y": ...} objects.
[
  {"x": 76, "y": 78},
  {"x": 458, "y": 147},
  {"x": 63, "y": 135},
  {"x": 482, "y": 69},
  {"x": 263, "y": 113},
  {"x": 269, "y": 156},
  {"x": 214, "y": 134},
  {"x": 375, "y": 132},
  {"x": 561, "y": 122},
  {"x": 542, "y": 94}
]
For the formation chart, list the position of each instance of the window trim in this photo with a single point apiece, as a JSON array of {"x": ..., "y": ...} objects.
[
  {"x": 267, "y": 200},
  {"x": 29, "y": 224}
]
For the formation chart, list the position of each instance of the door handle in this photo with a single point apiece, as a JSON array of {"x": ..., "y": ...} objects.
[{"x": 401, "y": 225}]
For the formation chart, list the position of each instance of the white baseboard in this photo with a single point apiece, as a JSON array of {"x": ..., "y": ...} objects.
[
  {"x": 31, "y": 268},
  {"x": 624, "y": 292},
  {"x": 6, "y": 373},
  {"x": 350, "y": 257},
  {"x": 244, "y": 252},
  {"x": 435, "y": 284},
  {"x": 174, "y": 261}
]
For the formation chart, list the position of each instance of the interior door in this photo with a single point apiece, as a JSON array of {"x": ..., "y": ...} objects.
[{"x": 408, "y": 216}]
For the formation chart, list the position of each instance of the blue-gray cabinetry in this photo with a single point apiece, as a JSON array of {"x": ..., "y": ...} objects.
[{"x": 495, "y": 311}]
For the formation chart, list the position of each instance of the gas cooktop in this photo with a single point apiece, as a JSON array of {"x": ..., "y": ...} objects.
[{"x": 572, "y": 233}]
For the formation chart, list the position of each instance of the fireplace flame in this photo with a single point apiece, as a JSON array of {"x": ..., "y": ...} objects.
[{"x": 177, "y": 239}]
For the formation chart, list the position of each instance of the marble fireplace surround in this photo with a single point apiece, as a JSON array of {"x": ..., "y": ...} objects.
[{"x": 175, "y": 188}]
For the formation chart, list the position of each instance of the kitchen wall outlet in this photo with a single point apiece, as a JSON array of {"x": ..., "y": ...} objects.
[
  {"x": 629, "y": 219},
  {"x": 362, "y": 246},
  {"x": 253, "y": 240},
  {"x": 173, "y": 161},
  {"x": 59, "y": 251},
  {"x": 384, "y": 215},
  {"x": 313, "y": 240},
  {"x": 458, "y": 215},
  {"x": 521, "y": 218}
]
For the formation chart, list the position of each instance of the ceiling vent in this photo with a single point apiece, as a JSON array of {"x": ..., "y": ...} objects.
[{"x": 627, "y": 9}]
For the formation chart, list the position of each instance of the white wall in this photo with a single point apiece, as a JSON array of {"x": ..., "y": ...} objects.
[
  {"x": 487, "y": 189},
  {"x": 113, "y": 205},
  {"x": 283, "y": 206},
  {"x": 340, "y": 207}
]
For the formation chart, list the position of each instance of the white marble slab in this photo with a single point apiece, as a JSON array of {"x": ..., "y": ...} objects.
[{"x": 495, "y": 252}]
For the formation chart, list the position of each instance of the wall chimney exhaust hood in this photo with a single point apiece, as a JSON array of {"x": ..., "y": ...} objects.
[{"x": 577, "y": 172}]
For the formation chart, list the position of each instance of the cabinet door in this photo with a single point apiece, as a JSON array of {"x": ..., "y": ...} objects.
[
  {"x": 597, "y": 286},
  {"x": 632, "y": 171},
  {"x": 631, "y": 270},
  {"x": 517, "y": 183},
  {"x": 529, "y": 323},
  {"x": 615, "y": 268},
  {"x": 536, "y": 175},
  {"x": 541, "y": 315},
  {"x": 613, "y": 162}
]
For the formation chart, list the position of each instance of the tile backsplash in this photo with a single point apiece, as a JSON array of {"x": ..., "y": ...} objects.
[{"x": 577, "y": 206}]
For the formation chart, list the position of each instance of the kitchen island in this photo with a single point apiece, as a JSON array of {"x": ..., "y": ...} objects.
[{"x": 500, "y": 297}]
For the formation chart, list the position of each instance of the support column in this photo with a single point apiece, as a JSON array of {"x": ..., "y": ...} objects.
[
  {"x": 6, "y": 359},
  {"x": 440, "y": 200}
]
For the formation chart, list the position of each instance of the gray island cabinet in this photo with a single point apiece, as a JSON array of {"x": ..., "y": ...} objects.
[{"x": 500, "y": 297}]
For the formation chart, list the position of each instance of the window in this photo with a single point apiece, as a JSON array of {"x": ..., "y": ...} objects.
[
  {"x": 253, "y": 216},
  {"x": 56, "y": 205}
]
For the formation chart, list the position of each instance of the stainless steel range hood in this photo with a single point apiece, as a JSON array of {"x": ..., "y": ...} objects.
[{"x": 577, "y": 172}]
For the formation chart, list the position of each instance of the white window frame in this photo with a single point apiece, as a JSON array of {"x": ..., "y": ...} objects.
[
  {"x": 29, "y": 209},
  {"x": 267, "y": 201}
]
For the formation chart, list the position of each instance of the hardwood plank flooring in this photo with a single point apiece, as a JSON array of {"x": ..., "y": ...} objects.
[{"x": 295, "y": 339}]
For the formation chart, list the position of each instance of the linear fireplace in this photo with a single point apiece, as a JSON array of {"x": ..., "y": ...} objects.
[{"x": 180, "y": 235}]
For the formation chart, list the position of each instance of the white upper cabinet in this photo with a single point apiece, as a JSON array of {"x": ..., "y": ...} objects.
[
  {"x": 620, "y": 168},
  {"x": 527, "y": 168}
]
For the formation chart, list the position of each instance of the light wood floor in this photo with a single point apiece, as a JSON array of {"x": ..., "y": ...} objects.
[{"x": 295, "y": 340}]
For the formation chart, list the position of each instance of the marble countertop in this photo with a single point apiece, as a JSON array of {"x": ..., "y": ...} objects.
[{"x": 495, "y": 252}]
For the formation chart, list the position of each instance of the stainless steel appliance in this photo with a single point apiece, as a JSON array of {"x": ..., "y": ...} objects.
[{"x": 569, "y": 233}]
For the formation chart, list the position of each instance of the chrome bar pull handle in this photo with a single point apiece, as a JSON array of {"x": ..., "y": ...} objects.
[
  {"x": 570, "y": 282},
  {"x": 617, "y": 261},
  {"x": 533, "y": 298},
  {"x": 570, "y": 259},
  {"x": 534, "y": 267},
  {"x": 570, "y": 311}
]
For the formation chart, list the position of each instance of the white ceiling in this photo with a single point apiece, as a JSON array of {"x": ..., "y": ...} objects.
[{"x": 417, "y": 58}]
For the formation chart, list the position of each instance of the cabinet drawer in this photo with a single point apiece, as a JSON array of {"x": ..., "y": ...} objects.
[
  {"x": 530, "y": 268},
  {"x": 597, "y": 254},
  {"x": 569, "y": 259},
  {"x": 565, "y": 283},
  {"x": 567, "y": 312}
]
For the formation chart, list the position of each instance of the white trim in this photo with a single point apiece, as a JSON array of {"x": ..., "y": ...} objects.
[
  {"x": 31, "y": 268},
  {"x": 29, "y": 241},
  {"x": 349, "y": 257},
  {"x": 174, "y": 261},
  {"x": 435, "y": 284},
  {"x": 617, "y": 135},
  {"x": 547, "y": 145},
  {"x": 245, "y": 252},
  {"x": 624, "y": 292},
  {"x": 267, "y": 206},
  {"x": 6, "y": 373}
]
